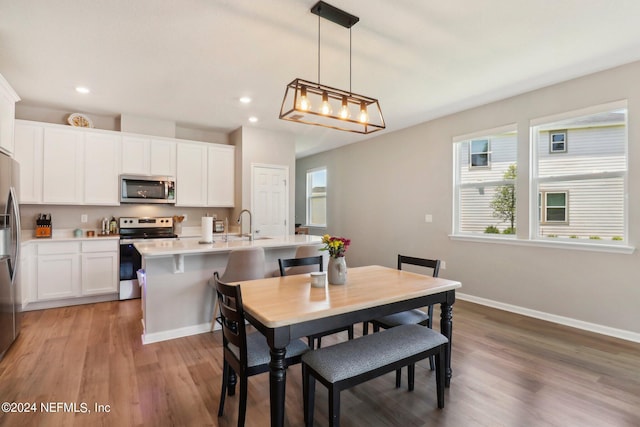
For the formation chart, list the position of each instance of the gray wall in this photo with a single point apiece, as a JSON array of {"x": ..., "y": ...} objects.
[{"x": 379, "y": 191}]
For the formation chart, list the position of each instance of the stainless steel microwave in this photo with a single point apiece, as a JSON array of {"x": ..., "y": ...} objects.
[{"x": 147, "y": 189}]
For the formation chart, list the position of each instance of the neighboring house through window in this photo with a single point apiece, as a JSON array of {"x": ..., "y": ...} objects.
[
  {"x": 577, "y": 196},
  {"x": 317, "y": 197},
  {"x": 485, "y": 196}
]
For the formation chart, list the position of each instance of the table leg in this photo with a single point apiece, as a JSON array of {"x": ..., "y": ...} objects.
[
  {"x": 277, "y": 383},
  {"x": 446, "y": 328}
]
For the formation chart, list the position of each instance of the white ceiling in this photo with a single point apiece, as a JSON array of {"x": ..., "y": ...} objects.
[{"x": 190, "y": 61}]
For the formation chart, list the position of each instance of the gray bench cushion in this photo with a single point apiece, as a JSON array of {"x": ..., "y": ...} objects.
[
  {"x": 258, "y": 349},
  {"x": 351, "y": 358}
]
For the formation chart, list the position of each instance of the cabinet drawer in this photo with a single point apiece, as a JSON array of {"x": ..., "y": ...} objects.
[
  {"x": 57, "y": 248},
  {"x": 100, "y": 246}
]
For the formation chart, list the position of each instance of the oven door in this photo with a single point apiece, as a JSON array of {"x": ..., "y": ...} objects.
[{"x": 130, "y": 263}]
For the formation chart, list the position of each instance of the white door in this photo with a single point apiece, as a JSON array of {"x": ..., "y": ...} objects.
[{"x": 270, "y": 200}]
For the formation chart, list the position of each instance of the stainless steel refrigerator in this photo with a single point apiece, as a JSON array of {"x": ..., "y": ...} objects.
[{"x": 9, "y": 252}]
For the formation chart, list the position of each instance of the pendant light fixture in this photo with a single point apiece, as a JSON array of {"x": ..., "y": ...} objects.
[{"x": 320, "y": 105}]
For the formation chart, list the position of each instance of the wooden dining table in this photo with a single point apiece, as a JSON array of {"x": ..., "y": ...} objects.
[{"x": 287, "y": 308}]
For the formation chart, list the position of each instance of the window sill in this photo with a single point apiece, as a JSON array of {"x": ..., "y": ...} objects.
[{"x": 593, "y": 247}]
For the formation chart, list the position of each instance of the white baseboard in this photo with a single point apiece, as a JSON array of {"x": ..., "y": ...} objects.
[
  {"x": 567, "y": 321},
  {"x": 175, "y": 333}
]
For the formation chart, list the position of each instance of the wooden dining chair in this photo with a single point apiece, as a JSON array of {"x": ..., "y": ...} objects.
[
  {"x": 297, "y": 266},
  {"x": 244, "y": 355},
  {"x": 242, "y": 264},
  {"x": 409, "y": 317}
]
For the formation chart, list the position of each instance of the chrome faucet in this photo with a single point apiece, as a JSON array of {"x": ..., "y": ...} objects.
[{"x": 250, "y": 222}]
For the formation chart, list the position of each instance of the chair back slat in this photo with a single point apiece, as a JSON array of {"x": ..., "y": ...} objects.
[
  {"x": 232, "y": 312},
  {"x": 299, "y": 262},
  {"x": 421, "y": 262}
]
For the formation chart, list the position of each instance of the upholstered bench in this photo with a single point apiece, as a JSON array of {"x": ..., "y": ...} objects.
[{"x": 350, "y": 363}]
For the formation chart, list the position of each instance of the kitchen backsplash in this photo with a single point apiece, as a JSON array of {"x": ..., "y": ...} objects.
[{"x": 69, "y": 217}]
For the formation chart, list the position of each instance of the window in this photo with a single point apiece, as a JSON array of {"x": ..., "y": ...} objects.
[
  {"x": 485, "y": 196},
  {"x": 317, "y": 197},
  {"x": 553, "y": 208},
  {"x": 577, "y": 197},
  {"x": 591, "y": 176},
  {"x": 558, "y": 141},
  {"x": 479, "y": 154}
]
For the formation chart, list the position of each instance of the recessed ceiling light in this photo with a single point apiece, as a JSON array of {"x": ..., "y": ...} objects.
[
  {"x": 245, "y": 100},
  {"x": 81, "y": 89},
  {"x": 253, "y": 119}
]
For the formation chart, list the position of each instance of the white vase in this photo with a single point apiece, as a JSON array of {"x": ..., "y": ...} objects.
[{"x": 337, "y": 271}]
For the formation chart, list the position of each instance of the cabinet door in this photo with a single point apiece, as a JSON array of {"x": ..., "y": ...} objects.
[
  {"x": 101, "y": 169},
  {"x": 136, "y": 155},
  {"x": 62, "y": 171},
  {"x": 28, "y": 152},
  {"x": 58, "y": 276},
  {"x": 99, "y": 273},
  {"x": 191, "y": 179},
  {"x": 221, "y": 176},
  {"x": 163, "y": 157}
]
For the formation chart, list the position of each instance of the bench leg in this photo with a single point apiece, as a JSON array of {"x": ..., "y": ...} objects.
[
  {"x": 411, "y": 375},
  {"x": 440, "y": 375},
  {"x": 365, "y": 328},
  {"x": 398, "y": 378},
  {"x": 350, "y": 332},
  {"x": 308, "y": 395},
  {"x": 334, "y": 407}
]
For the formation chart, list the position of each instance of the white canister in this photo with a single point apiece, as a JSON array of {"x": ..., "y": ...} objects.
[{"x": 318, "y": 279}]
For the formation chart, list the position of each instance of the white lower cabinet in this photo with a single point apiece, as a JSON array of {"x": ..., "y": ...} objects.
[
  {"x": 75, "y": 269},
  {"x": 99, "y": 267},
  {"x": 58, "y": 270}
]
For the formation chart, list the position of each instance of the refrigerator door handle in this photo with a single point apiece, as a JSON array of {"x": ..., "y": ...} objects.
[{"x": 12, "y": 206}]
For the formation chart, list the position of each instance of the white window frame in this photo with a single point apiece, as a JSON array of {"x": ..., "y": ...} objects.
[
  {"x": 552, "y": 134},
  {"x": 528, "y": 188},
  {"x": 544, "y": 206},
  {"x": 457, "y": 185},
  {"x": 310, "y": 196}
]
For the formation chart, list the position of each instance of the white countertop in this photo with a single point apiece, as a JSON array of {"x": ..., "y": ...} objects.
[
  {"x": 62, "y": 235},
  {"x": 186, "y": 246}
]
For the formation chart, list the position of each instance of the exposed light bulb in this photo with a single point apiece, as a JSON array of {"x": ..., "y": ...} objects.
[
  {"x": 364, "y": 116},
  {"x": 305, "y": 105},
  {"x": 82, "y": 89},
  {"x": 325, "y": 108},
  {"x": 245, "y": 100},
  {"x": 344, "y": 110}
]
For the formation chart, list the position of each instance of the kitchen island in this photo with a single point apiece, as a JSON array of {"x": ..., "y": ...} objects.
[{"x": 177, "y": 300}]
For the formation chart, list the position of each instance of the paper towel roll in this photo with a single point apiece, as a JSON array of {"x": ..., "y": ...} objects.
[{"x": 207, "y": 229}]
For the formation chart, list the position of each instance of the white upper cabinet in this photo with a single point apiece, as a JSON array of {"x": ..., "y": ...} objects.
[
  {"x": 67, "y": 165},
  {"x": 148, "y": 156},
  {"x": 63, "y": 166},
  {"x": 28, "y": 153},
  {"x": 221, "y": 180},
  {"x": 101, "y": 168},
  {"x": 191, "y": 178},
  {"x": 163, "y": 157},
  {"x": 8, "y": 99},
  {"x": 136, "y": 155}
]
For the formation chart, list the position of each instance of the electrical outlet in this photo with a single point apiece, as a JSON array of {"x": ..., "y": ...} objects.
[
  {"x": 84, "y": 218},
  {"x": 185, "y": 217},
  {"x": 428, "y": 218},
  {"x": 443, "y": 265},
  {"x": 215, "y": 217}
]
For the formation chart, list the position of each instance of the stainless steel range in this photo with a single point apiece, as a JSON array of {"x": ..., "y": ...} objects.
[{"x": 135, "y": 230}]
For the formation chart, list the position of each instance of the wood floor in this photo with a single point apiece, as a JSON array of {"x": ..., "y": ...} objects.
[{"x": 509, "y": 370}]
